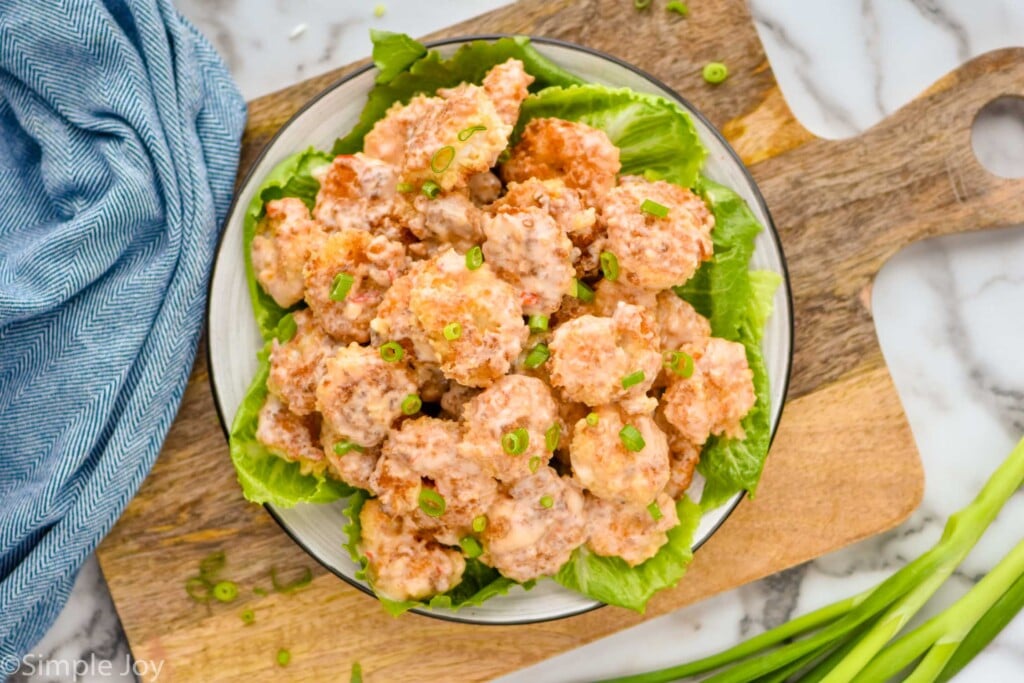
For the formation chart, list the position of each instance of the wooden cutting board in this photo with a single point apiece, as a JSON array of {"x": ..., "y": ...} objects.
[{"x": 843, "y": 465}]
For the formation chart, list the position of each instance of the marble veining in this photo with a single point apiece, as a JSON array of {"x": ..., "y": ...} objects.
[{"x": 950, "y": 312}]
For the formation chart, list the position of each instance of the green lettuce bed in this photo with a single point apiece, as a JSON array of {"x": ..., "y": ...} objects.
[{"x": 657, "y": 139}]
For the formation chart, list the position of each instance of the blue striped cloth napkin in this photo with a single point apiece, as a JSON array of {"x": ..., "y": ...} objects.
[{"x": 119, "y": 140}]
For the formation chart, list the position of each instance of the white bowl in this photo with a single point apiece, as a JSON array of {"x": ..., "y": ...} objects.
[{"x": 234, "y": 339}]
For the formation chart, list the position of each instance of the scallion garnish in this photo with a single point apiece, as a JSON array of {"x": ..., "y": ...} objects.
[
  {"x": 516, "y": 441},
  {"x": 301, "y": 582},
  {"x": 583, "y": 292},
  {"x": 715, "y": 72},
  {"x": 452, "y": 331},
  {"x": 631, "y": 438},
  {"x": 537, "y": 356},
  {"x": 470, "y": 547},
  {"x": 225, "y": 591},
  {"x": 442, "y": 159},
  {"x": 345, "y": 446},
  {"x": 552, "y": 436},
  {"x": 430, "y": 189},
  {"x": 655, "y": 511},
  {"x": 210, "y": 565},
  {"x": 474, "y": 258},
  {"x": 538, "y": 323},
  {"x": 534, "y": 464},
  {"x": 198, "y": 588},
  {"x": 679, "y": 362},
  {"x": 340, "y": 286},
  {"x": 391, "y": 352},
  {"x": 633, "y": 378},
  {"x": 283, "y": 657},
  {"x": 405, "y": 187},
  {"x": 431, "y": 502},
  {"x": 592, "y": 419},
  {"x": 641, "y": 4},
  {"x": 678, "y": 7},
  {"x": 356, "y": 676},
  {"x": 479, "y": 523},
  {"x": 609, "y": 266},
  {"x": 411, "y": 404},
  {"x": 654, "y": 208},
  {"x": 248, "y": 617},
  {"x": 467, "y": 133},
  {"x": 546, "y": 502}
]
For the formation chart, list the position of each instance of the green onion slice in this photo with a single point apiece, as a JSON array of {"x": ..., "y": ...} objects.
[
  {"x": 301, "y": 582},
  {"x": 679, "y": 362},
  {"x": 248, "y": 617},
  {"x": 655, "y": 510},
  {"x": 357, "y": 673},
  {"x": 442, "y": 159},
  {"x": 592, "y": 419},
  {"x": 654, "y": 208},
  {"x": 431, "y": 502},
  {"x": 344, "y": 447},
  {"x": 225, "y": 591},
  {"x": 633, "y": 378},
  {"x": 430, "y": 189},
  {"x": 631, "y": 438},
  {"x": 452, "y": 331},
  {"x": 537, "y": 356},
  {"x": 641, "y": 4},
  {"x": 411, "y": 404},
  {"x": 609, "y": 266},
  {"x": 283, "y": 657},
  {"x": 391, "y": 352},
  {"x": 583, "y": 292},
  {"x": 467, "y": 133},
  {"x": 198, "y": 588},
  {"x": 210, "y": 565},
  {"x": 715, "y": 72},
  {"x": 471, "y": 547},
  {"x": 474, "y": 258},
  {"x": 479, "y": 523},
  {"x": 516, "y": 441},
  {"x": 504, "y": 156},
  {"x": 678, "y": 7},
  {"x": 341, "y": 286},
  {"x": 546, "y": 502},
  {"x": 553, "y": 436},
  {"x": 534, "y": 464},
  {"x": 538, "y": 323},
  {"x": 405, "y": 187}
]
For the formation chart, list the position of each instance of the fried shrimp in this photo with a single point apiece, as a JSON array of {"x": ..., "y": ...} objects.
[
  {"x": 506, "y": 427},
  {"x": 681, "y": 326},
  {"x": 284, "y": 239},
  {"x": 346, "y": 279},
  {"x": 627, "y": 530},
  {"x": 345, "y": 461},
  {"x": 401, "y": 564},
  {"x": 533, "y": 527},
  {"x": 360, "y": 394},
  {"x": 604, "y": 465},
  {"x": 290, "y": 436},
  {"x": 472, "y": 320},
  {"x": 657, "y": 252},
  {"x": 356, "y": 193},
  {"x": 297, "y": 365},
  {"x": 581, "y": 156}
]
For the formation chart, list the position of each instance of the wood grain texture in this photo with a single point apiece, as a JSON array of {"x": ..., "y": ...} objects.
[{"x": 842, "y": 209}]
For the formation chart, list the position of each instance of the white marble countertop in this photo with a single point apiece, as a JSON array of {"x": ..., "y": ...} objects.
[{"x": 948, "y": 312}]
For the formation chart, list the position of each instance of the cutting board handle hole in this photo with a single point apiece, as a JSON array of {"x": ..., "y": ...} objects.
[{"x": 997, "y": 136}]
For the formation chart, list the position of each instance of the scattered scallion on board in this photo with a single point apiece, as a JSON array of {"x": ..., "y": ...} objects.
[
  {"x": 357, "y": 673},
  {"x": 864, "y": 637},
  {"x": 715, "y": 72},
  {"x": 283, "y": 657},
  {"x": 679, "y": 8},
  {"x": 301, "y": 582}
]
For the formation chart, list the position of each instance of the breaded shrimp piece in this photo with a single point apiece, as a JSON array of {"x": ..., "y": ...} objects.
[
  {"x": 431, "y": 381},
  {"x": 395, "y": 320},
  {"x": 608, "y": 294},
  {"x": 680, "y": 324},
  {"x": 290, "y": 436},
  {"x": 628, "y": 530},
  {"x": 284, "y": 239},
  {"x": 423, "y": 453},
  {"x": 297, "y": 365},
  {"x": 590, "y": 357},
  {"x": 506, "y": 84},
  {"x": 715, "y": 398},
  {"x": 484, "y": 188},
  {"x": 360, "y": 394},
  {"x": 486, "y": 308},
  {"x": 401, "y": 565},
  {"x": 603, "y": 465},
  {"x": 581, "y": 156},
  {"x": 356, "y": 193},
  {"x": 350, "y": 465},
  {"x": 533, "y": 528},
  {"x": 387, "y": 140},
  {"x": 529, "y": 250},
  {"x": 512, "y": 403},
  {"x": 373, "y": 262},
  {"x": 450, "y": 219},
  {"x": 656, "y": 253},
  {"x": 683, "y": 460}
]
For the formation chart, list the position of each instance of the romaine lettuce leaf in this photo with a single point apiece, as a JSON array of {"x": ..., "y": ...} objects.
[
  {"x": 393, "y": 53},
  {"x": 654, "y": 136},
  {"x": 293, "y": 177},
  {"x": 479, "y": 582},
  {"x": 612, "y": 581},
  {"x": 469, "y": 64},
  {"x": 266, "y": 478}
]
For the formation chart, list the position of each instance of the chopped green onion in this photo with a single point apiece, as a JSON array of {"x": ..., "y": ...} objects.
[
  {"x": 537, "y": 356},
  {"x": 679, "y": 8},
  {"x": 467, "y": 133},
  {"x": 592, "y": 419},
  {"x": 516, "y": 441},
  {"x": 474, "y": 258},
  {"x": 346, "y": 446},
  {"x": 259, "y": 591},
  {"x": 546, "y": 501},
  {"x": 452, "y": 331},
  {"x": 538, "y": 323},
  {"x": 442, "y": 159},
  {"x": 210, "y": 565},
  {"x": 432, "y": 503},
  {"x": 583, "y": 292},
  {"x": 471, "y": 547},
  {"x": 198, "y": 589},
  {"x": 553, "y": 436},
  {"x": 391, "y": 352},
  {"x": 479, "y": 523},
  {"x": 654, "y": 208},
  {"x": 411, "y": 404},
  {"x": 286, "y": 329},
  {"x": 631, "y": 438},
  {"x": 430, "y": 189},
  {"x": 504, "y": 156},
  {"x": 283, "y": 657},
  {"x": 655, "y": 511},
  {"x": 225, "y": 591},
  {"x": 301, "y": 582},
  {"x": 715, "y": 72},
  {"x": 341, "y": 286},
  {"x": 534, "y": 464},
  {"x": 357, "y": 673},
  {"x": 609, "y": 266},
  {"x": 405, "y": 187},
  {"x": 680, "y": 363},
  {"x": 633, "y": 378},
  {"x": 379, "y": 10},
  {"x": 248, "y": 617},
  {"x": 641, "y": 4}
]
